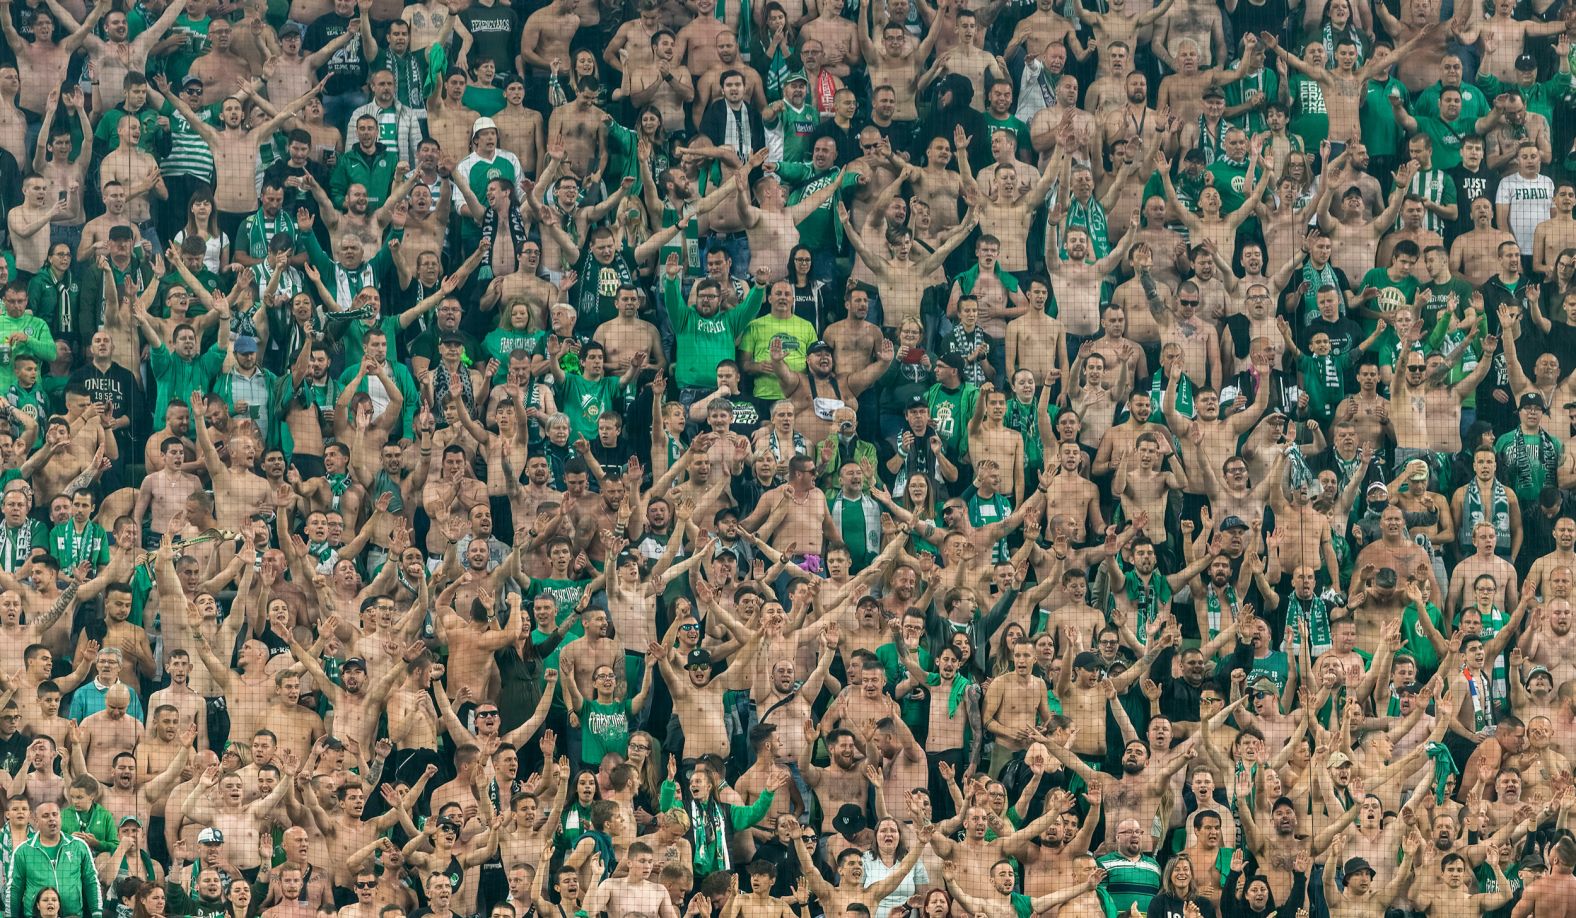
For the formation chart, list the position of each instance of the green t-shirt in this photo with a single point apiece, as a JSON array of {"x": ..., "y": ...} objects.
[
  {"x": 798, "y": 127},
  {"x": 1310, "y": 118},
  {"x": 604, "y": 728},
  {"x": 706, "y": 341},
  {"x": 819, "y": 229},
  {"x": 566, "y": 593},
  {"x": 1381, "y": 134},
  {"x": 585, "y": 400},
  {"x": 1523, "y": 463},
  {"x": 797, "y": 335},
  {"x": 1393, "y": 295},
  {"x": 1446, "y": 137},
  {"x": 949, "y": 415}
]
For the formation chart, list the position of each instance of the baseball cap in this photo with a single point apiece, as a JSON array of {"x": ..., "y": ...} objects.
[
  {"x": 1232, "y": 522},
  {"x": 1526, "y": 62},
  {"x": 1087, "y": 660},
  {"x": 698, "y": 658},
  {"x": 210, "y": 836},
  {"x": 245, "y": 344},
  {"x": 917, "y": 401},
  {"x": 482, "y": 124},
  {"x": 290, "y": 29},
  {"x": 354, "y": 663},
  {"x": 955, "y": 361},
  {"x": 819, "y": 347},
  {"x": 450, "y": 338},
  {"x": 1337, "y": 759},
  {"x": 1381, "y": 487},
  {"x": 1214, "y": 92},
  {"x": 796, "y": 76},
  {"x": 1385, "y": 578},
  {"x": 129, "y": 818},
  {"x": 120, "y": 234},
  {"x": 194, "y": 80},
  {"x": 1532, "y": 400}
]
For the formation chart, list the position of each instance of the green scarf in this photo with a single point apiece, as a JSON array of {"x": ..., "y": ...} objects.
[
  {"x": 1212, "y": 601},
  {"x": 1146, "y": 599},
  {"x": 1444, "y": 767},
  {"x": 960, "y": 687},
  {"x": 338, "y": 485}
]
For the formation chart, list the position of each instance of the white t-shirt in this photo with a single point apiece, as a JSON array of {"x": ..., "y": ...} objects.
[{"x": 1529, "y": 200}]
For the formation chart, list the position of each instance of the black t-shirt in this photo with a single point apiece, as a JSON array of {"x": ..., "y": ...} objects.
[
  {"x": 1469, "y": 187},
  {"x": 115, "y": 387},
  {"x": 296, "y": 198},
  {"x": 347, "y": 69},
  {"x": 492, "y": 31},
  {"x": 13, "y": 752},
  {"x": 1344, "y": 334}
]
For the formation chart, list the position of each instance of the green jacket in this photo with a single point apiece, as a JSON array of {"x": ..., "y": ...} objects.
[
  {"x": 67, "y": 868},
  {"x": 98, "y": 823},
  {"x": 178, "y": 377},
  {"x": 278, "y": 392},
  {"x": 375, "y": 172},
  {"x": 39, "y": 343}
]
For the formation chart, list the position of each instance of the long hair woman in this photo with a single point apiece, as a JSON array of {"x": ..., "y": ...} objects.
[{"x": 202, "y": 222}]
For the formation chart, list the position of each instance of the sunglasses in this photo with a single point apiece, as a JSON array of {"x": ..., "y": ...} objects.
[
  {"x": 367, "y": 885},
  {"x": 486, "y": 713}
]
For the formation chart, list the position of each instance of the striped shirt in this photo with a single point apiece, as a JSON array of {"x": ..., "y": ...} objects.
[
  {"x": 189, "y": 153},
  {"x": 1129, "y": 881}
]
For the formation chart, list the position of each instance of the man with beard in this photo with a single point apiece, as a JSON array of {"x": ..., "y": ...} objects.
[
  {"x": 357, "y": 700},
  {"x": 1134, "y": 797},
  {"x": 1083, "y": 698},
  {"x": 1078, "y": 277},
  {"x": 816, "y": 392},
  {"x": 1553, "y": 896},
  {"x": 1003, "y": 902}
]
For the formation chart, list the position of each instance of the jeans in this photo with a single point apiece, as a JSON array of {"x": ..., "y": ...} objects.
[
  {"x": 737, "y": 245},
  {"x": 337, "y": 109}
]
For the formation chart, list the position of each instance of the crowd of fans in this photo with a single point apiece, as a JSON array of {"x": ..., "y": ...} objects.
[{"x": 850, "y": 458}]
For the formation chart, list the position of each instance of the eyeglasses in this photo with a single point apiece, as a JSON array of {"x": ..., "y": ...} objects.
[{"x": 639, "y": 747}]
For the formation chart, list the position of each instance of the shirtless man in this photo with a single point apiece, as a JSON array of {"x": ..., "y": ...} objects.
[
  {"x": 1077, "y": 279},
  {"x": 1503, "y": 37},
  {"x": 839, "y": 38},
  {"x": 965, "y": 59},
  {"x": 235, "y": 147},
  {"x": 902, "y": 278},
  {"x": 1424, "y": 407},
  {"x": 1136, "y": 794},
  {"x": 545, "y": 37},
  {"x": 164, "y": 492},
  {"x": 697, "y": 698},
  {"x": 109, "y": 733},
  {"x": 635, "y": 892},
  {"x": 1118, "y": 24},
  {"x": 1474, "y": 255},
  {"x": 664, "y": 82},
  {"x": 238, "y": 492},
  {"x": 895, "y": 61},
  {"x": 1553, "y": 895},
  {"x": 1345, "y": 85},
  {"x": 1015, "y": 706},
  {"x": 222, "y": 71},
  {"x": 236, "y": 825}
]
